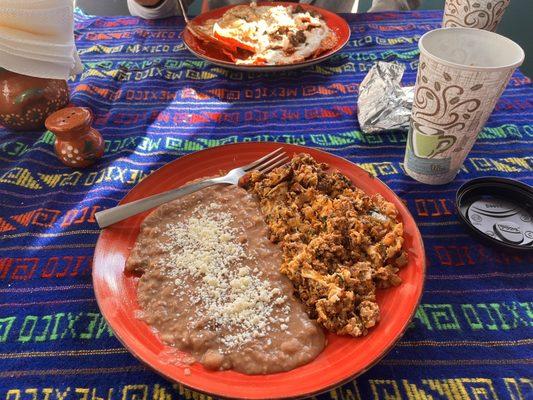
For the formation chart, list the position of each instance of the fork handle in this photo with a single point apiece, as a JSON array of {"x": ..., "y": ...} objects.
[
  {"x": 113, "y": 215},
  {"x": 184, "y": 12}
]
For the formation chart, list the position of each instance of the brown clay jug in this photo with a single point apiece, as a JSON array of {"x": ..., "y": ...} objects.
[
  {"x": 26, "y": 101},
  {"x": 77, "y": 143}
]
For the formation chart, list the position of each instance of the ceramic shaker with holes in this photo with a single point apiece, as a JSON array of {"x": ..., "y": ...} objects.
[{"x": 77, "y": 144}]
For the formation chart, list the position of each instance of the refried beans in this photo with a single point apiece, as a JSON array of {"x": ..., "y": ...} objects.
[{"x": 211, "y": 285}]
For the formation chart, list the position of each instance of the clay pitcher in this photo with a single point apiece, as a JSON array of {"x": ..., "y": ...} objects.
[{"x": 26, "y": 101}]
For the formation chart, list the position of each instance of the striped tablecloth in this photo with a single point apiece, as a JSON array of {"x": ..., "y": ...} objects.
[{"x": 471, "y": 337}]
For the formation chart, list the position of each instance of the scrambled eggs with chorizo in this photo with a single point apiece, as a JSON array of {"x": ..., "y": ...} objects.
[{"x": 339, "y": 244}]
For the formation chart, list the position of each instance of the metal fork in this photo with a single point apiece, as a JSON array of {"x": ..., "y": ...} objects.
[{"x": 119, "y": 213}]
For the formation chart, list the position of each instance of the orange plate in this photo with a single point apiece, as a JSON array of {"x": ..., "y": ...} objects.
[
  {"x": 211, "y": 53},
  {"x": 342, "y": 359}
]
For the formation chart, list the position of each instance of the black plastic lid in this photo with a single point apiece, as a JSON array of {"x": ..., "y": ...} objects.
[{"x": 499, "y": 211}]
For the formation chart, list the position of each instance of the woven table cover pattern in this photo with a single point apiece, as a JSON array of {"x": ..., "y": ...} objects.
[{"x": 153, "y": 102}]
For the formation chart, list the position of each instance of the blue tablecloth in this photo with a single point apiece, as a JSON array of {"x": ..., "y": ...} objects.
[{"x": 153, "y": 101}]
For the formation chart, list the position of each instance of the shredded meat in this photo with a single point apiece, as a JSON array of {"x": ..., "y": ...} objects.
[
  {"x": 339, "y": 244},
  {"x": 297, "y": 38},
  {"x": 298, "y": 9}
]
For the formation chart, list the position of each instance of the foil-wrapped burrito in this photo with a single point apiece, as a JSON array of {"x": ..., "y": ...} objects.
[{"x": 383, "y": 104}]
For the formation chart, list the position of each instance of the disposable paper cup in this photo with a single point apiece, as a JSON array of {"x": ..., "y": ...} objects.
[
  {"x": 461, "y": 75},
  {"x": 479, "y": 14}
]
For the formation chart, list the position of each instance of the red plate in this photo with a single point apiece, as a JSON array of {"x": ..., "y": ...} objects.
[
  {"x": 342, "y": 359},
  {"x": 210, "y": 53}
]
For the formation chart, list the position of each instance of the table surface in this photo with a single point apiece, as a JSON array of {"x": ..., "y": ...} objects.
[{"x": 153, "y": 102}]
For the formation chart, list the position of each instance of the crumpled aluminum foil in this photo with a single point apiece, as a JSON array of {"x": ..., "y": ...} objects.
[{"x": 383, "y": 104}]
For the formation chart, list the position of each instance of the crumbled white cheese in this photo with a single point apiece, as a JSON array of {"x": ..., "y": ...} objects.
[
  {"x": 205, "y": 247},
  {"x": 379, "y": 216}
]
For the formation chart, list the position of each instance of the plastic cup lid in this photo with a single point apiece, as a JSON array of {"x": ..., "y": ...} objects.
[{"x": 499, "y": 211}]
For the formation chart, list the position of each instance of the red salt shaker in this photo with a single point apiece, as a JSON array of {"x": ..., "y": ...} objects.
[{"x": 77, "y": 143}]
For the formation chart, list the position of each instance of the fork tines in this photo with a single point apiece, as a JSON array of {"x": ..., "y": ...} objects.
[
  {"x": 267, "y": 163},
  {"x": 277, "y": 161}
]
